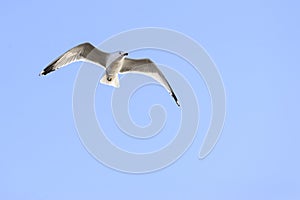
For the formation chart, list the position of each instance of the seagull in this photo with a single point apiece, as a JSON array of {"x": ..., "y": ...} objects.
[{"x": 113, "y": 63}]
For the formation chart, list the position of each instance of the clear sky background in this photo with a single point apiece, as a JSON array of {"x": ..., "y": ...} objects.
[{"x": 255, "y": 45}]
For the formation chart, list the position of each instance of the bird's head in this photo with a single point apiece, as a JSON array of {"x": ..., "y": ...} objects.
[
  {"x": 116, "y": 56},
  {"x": 123, "y": 53}
]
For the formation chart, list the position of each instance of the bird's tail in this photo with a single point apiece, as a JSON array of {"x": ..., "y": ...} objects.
[{"x": 112, "y": 81}]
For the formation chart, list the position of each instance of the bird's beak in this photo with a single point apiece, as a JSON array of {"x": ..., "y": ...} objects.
[{"x": 125, "y": 54}]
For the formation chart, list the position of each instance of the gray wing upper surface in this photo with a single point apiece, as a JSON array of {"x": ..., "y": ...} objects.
[
  {"x": 83, "y": 52},
  {"x": 148, "y": 68}
]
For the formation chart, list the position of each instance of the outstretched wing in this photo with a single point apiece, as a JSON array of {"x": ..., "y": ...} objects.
[
  {"x": 82, "y": 52},
  {"x": 148, "y": 68}
]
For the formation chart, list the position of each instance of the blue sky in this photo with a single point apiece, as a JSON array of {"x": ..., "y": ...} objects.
[{"x": 255, "y": 45}]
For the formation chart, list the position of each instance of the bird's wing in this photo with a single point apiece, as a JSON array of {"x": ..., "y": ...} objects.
[
  {"x": 148, "y": 68},
  {"x": 82, "y": 52}
]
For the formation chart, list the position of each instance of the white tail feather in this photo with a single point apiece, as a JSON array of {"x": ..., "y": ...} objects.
[{"x": 114, "y": 81}]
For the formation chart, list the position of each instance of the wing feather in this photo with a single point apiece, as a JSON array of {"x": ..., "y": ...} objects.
[
  {"x": 83, "y": 52},
  {"x": 148, "y": 68}
]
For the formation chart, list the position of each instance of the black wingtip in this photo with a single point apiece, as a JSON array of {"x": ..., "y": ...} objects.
[
  {"x": 44, "y": 73},
  {"x": 175, "y": 98},
  {"x": 47, "y": 70}
]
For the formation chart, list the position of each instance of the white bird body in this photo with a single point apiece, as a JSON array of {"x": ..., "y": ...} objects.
[
  {"x": 111, "y": 72},
  {"x": 113, "y": 63}
]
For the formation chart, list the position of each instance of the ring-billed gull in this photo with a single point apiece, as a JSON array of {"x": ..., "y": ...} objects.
[{"x": 113, "y": 63}]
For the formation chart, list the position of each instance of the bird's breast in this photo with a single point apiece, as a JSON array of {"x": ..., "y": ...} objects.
[{"x": 114, "y": 68}]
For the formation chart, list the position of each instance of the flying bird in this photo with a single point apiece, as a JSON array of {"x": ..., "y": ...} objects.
[{"x": 113, "y": 63}]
